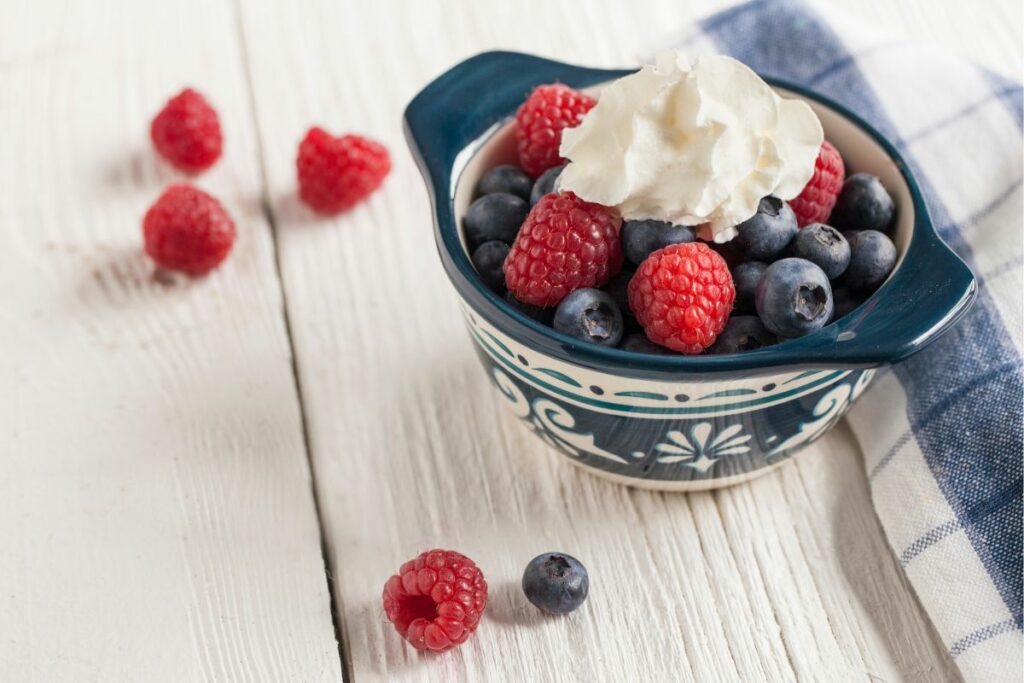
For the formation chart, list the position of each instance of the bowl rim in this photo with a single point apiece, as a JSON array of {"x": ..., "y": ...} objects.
[{"x": 442, "y": 165}]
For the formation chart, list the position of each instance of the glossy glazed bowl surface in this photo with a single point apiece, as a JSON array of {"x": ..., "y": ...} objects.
[{"x": 672, "y": 422}]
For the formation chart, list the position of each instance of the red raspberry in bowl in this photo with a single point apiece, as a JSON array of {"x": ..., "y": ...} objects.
[
  {"x": 815, "y": 202},
  {"x": 336, "y": 173},
  {"x": 682, "y": 296},
  {"x": 187, "y": 230},
  {"x": 187, "y": 133},
  {"x": 565, "y": 244},
  {"x": 540, "y": 120},
  {"x": 435, "y": 600}
]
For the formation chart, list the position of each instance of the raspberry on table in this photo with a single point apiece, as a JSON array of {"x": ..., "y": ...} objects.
[
  {"x": 187, "y": 230},
  {"x": 435, "y": 600},
  {"x": 814, "y": 203},
  {"x": 565, "y": 244},
  {"x": 186, "y": 132},
  {"x": 682, "y": 295},
  {"x": 540, "y": 120},
  {"x": 336, "y": 173}
]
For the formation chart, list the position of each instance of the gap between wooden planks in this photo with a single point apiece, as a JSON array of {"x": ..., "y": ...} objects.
[{"x": 157, "y": 520}]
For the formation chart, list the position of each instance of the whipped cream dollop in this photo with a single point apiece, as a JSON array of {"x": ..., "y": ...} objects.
[{"x": 691, "y": 142}]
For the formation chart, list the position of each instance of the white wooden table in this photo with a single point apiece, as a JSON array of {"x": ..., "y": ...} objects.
[{"x": 193, "y": 470}]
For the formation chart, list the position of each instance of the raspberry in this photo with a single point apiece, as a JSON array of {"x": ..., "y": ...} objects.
[
  {"x": 565, "y": 244},
  {"x": 435, "y": 601},
  {"x": 336, "y": 173},
  {"x": 186, "y": 132},
  {"x": 187, "y": 230},
  {"x": 815, "y": 201},
  {"x": 540, "y": 121},
  {"x": 682, "y": 295}
]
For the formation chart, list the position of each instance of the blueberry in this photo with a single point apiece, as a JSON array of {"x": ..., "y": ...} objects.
[
  {"x": 639, "y": 343},
  {"x": 641, "y": 238},
  {"x": 541, "y": 315},
  {"x": 823, "y": 246},
  {"x": 495, "y": 217},
  {"x": 507, "y": 178},
  {"x": 872, "y": 258},
  {"x": 488, "y": 259},
  {"x": 863, "y": 204},
  {"x": 794, "y": 297},
  {"x": 768, "y": 232},
  {"x": 618, "y": 289},
  {"x": 556, "y": 583},
  {"x": 742, "y": 333},
  {"x": 590, "y": 315},
  {"x": 545, "y": 184},
  {"x": 745, "y": 277},
  {"x": 846, "y": 300}
]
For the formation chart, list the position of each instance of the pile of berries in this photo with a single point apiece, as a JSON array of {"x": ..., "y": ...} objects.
[
  {"x": 188, "y": 230},
  {"x": 436, "y": 599},
  {"x": 653, "y": 287}
]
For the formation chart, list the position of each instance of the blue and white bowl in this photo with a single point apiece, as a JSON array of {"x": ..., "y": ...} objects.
[{"x": 672, "y": 422}]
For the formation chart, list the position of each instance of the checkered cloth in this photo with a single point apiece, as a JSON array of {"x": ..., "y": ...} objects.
[{"x": 941, "y": 432}]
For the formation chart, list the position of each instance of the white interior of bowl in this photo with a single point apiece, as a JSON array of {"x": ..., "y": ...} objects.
[{"x": 860, "y": 152}]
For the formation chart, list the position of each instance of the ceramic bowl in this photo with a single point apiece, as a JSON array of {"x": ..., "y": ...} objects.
[{"x": 672, "y": 422}]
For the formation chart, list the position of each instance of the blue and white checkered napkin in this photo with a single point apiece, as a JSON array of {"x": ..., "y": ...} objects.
[{"x": 941, "y": 433}]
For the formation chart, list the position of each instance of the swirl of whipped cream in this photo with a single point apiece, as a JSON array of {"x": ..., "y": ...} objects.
[{"x": 691, "y": 142}]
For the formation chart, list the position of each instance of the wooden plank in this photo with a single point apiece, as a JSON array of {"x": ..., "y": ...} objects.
[
  {"x": 787, "y": 578},
  {"x": 156, "y": 510}
]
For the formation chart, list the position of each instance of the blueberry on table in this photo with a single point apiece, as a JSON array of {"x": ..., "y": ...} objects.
[
  {"x": 765, "y": 235},
  {"x": 508, "y": 179},
  {"x": 638, "y": 342},
  {"x": 745, "y": 277},
  {"x": 742, "y": 333},
  {"x": 641, "y": 238},
  {"x": 863, "y": 204},
  {"x": 556, "y": 583},
  {"x": 823, "y": 246},
  {"x": 495, "y": 216},
  {"x": 541, "y": 315},
  {"x": 794, "y": 297},
  {"x": 590, "y": 315},
  {"x": 545, "y": 184},
  {"x": 872, "y": 258},
  {"x": 488, "y": 260}
]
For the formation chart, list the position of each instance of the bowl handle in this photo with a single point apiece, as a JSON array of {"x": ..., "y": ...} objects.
[
  {"x": 930, "y": 290},
  {"x": 460, "y": 105}
]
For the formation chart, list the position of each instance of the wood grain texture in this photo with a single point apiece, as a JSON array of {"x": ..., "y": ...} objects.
[
  {"x": 156, "y": 510},
  {"x": 155, "y": 504},
  {"x": 788, "y": 578}
]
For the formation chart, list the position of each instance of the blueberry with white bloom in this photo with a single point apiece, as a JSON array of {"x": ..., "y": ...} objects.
[
  {"x": 495, "y": 216},
  {"x": 872, "y": 258},
  {"x": 545, "y": 184},
  {"x": 823, "y": 246},
  {"x": 794, "y": 298},
  {"x": 506, "y": 178},
  {"x": 591, "y": 315},
  {"x": 488, "y": 259},
  {"x": 642, "y": 238},
  {"x": 863, "y": 204},
  {"x": 745, "y": 277},
  {"x": 766, "y": 234},
  {"x": 742, "y": 333},
  {"x": 556, "y": 583}
]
